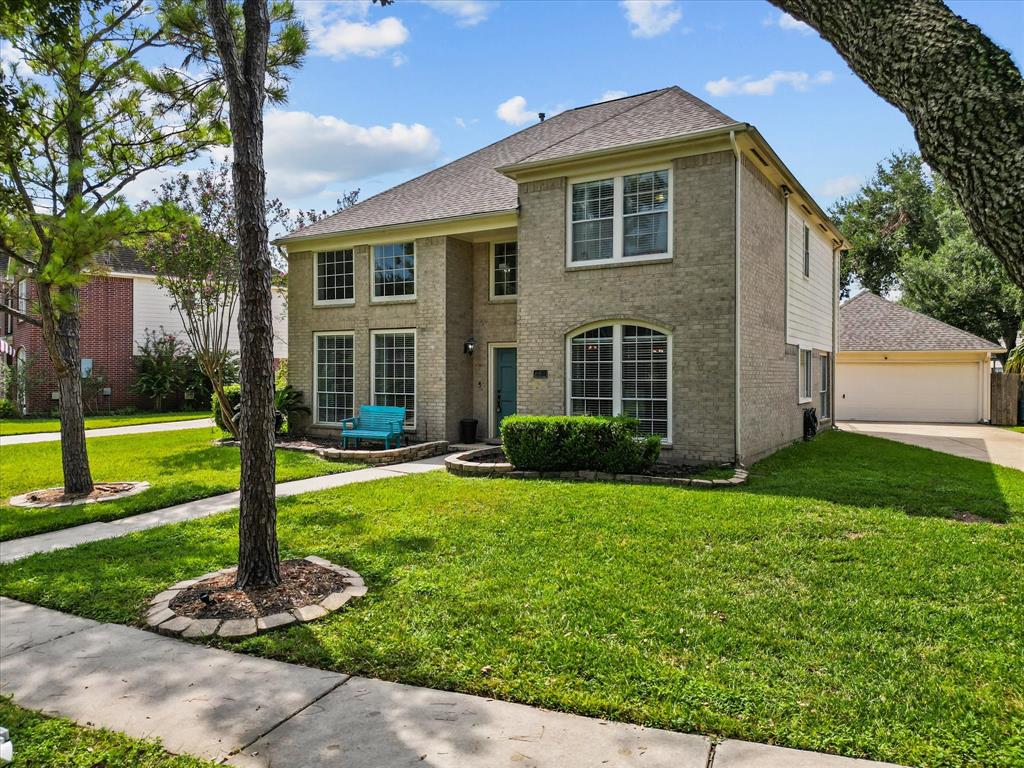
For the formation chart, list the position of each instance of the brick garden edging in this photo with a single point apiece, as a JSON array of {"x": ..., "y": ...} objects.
[
  {"x": 458, "y": 465},
  {"x": 389, "y": 456},
  {"x": 161, "y": 617}
]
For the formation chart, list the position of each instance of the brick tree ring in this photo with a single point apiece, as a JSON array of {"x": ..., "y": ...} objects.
[
  {"x": 210, "y": 605},
  {"x": 55, "y": 497}
]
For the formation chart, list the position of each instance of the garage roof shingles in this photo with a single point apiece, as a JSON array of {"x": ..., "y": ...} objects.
[
  {"x": 869, "y": 323},
  {"x": 471, "y": 185}
]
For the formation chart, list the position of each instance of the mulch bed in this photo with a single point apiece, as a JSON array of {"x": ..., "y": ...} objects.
[
  {"x": 658, "y": 470},
  {"x": 57, "y": 495},
  {"x": 302, "y": 583}
]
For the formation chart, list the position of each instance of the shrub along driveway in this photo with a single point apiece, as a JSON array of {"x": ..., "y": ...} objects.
[
  {"x": 832, "y": 604},
  {"x": 180, "y": 466}
]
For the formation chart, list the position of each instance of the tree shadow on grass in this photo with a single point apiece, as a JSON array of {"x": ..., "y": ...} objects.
[{"x": 845, "y": 468}]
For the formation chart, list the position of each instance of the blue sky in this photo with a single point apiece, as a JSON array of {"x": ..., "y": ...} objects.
[{"x": 388, "y": 93}]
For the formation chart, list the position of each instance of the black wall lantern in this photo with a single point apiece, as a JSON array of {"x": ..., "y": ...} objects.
[{"x": 469, "y": 345}]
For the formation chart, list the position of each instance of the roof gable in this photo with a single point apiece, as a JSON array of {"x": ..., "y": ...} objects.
[
  {"x": 869, "y": 323},
  {"x": 471, "y": 185}
]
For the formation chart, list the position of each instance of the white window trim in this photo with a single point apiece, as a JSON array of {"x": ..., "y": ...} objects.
[
  {"x": 23, "y": 290},
  {"x": 415, "y": 369},
  {"x": 317, "y": 302},
  {"x": 490, "y": 271},
  {"x": 617, "y": 366},
  {"x": 617, "y": 258},
  {"x": 825, "y": 385},
  {"x": 374, "y": 299},
  {"x": 316, "y": 366},
  {"x": 801, "y": 376}
]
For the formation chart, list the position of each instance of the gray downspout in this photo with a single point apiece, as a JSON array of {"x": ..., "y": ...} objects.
[{"x": 736, "y": 297}]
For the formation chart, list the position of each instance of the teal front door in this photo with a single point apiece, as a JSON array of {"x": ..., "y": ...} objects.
[{"x": 504, "y": 384}]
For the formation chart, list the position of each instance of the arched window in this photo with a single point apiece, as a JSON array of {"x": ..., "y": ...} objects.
[{"x": 622, "y": 368}]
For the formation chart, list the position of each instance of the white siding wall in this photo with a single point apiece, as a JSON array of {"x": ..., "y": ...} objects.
[
  {"x": 809, "y": 299},
  {"x": 152, "y": 309}
]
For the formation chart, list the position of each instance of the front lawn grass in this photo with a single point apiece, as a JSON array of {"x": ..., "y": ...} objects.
[
  {"x": 180, "y": 466},
  {"x": 29, "y": 426},
  {"x": 832, "y": 604},
  {"x": 1015, "y": 429},
  {"x": 58, "y": 743}
]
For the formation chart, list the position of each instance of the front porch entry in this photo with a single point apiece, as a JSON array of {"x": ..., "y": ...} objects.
[{"x": 503, "y": 385}]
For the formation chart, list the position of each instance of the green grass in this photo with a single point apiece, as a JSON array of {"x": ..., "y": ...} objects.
[
  {"x": 58, "y": 743},
  {"x": 831, "y": 604},
  {"x": 180, "y": 465},
  {"x": 28, "y": 426},
  {"x": 1015, "y": 429}
]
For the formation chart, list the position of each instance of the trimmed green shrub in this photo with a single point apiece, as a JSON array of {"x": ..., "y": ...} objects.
[
  {"x": 566, "y": 443},
  {"x": 234, "y": 393},
  {"x": 7, "y": 410}
]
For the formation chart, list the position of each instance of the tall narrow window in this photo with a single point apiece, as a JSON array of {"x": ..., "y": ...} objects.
[
  {"x": 334, "y": 376},
  {"x": 394, "y": 371},
  {"x": 807, "y": 251},
  {"x": 591, "y": 373},
  {"x": 505, "y": 272},
  {"x": 23, "y": 296},
  {"x": 593, "y": 215},
  {"x": 645, "y": 214},
  {"x": 825, "y": 407},
  {"x": 394, "y": 271},
  {"x": 622, "y": 369},
  {"x": 805, "y": 375},
  {"x": 334, "y": 277}
]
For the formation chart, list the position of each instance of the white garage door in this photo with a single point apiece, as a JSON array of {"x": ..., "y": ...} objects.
[{"x": 907, "y": 391}]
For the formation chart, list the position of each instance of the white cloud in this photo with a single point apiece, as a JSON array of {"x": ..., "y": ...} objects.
[
  {"x": 514, "y": 111},
  {"x": 747, "y": 86},
  {"x": 609, "y": 95},
  {"x": 304, "y": 153},
  {"x": 467, "y": 13},
  {"x": 790, "y": 24},
  {"x": 650, "y": 18},
  {"x": 840, "y": 186},
  {"x": 340, "y": 30}
]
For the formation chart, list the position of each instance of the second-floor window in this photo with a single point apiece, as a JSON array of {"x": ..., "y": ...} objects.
[
  {"x": 335, "y": 279},
  {"x": 807, "y": 251},
  {"x": 505, "y": 270},
  {"x": 394, "y": 271},
  {"x": 620, "y": 218}
]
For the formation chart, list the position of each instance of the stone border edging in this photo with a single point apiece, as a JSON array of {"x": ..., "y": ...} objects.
[
  {"x": 457, "y": 465},
  {"x": 376, "y": 458},
  {"x": 22, "y": 500},
  {"x": 161, "y": 617}
]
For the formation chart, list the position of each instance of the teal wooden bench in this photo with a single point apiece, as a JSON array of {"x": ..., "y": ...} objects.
[{"x": 375, "y": 422}]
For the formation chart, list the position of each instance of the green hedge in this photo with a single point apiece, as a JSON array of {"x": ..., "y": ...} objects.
[
  {"x": 234, "y": 393},
  {"x": 565, "y": 443}
]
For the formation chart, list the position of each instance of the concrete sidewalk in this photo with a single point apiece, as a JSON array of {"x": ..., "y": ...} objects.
[
  {"x": 257, "y": 713},
  {"x": 16, "y": 549},
  {"x": 132, "y": 429}
]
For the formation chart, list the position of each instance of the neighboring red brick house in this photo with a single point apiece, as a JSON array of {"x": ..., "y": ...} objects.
[{"x": 118, "y": 306}]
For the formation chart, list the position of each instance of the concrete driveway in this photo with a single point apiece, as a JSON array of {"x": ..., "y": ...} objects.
[{"x": 973, "y": 441}]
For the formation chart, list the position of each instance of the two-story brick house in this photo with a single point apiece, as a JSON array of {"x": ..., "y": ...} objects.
[{"x": 648, "y": 256}]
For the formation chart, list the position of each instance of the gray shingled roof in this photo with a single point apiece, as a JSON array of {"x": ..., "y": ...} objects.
[
  {"x": 118, "y": 259},
  {"x": 471, "y": 185},
  {"x": 869, "y": 323}
]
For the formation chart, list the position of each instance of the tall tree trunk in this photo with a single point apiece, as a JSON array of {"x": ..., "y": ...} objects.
[
  {"x": 960, "y": 91},
  {"x": 61, "y": 333},
  {"x": 258, "y": 561}
]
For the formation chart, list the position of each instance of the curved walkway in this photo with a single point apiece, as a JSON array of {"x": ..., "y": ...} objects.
[{"x": 132, "y": 429}]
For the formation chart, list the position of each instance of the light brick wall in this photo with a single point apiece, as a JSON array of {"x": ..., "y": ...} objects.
[
  {"x": 458, "y": 374},
  {"x": 771, "y": 415},
  {"x": 692, "y": 296},
  {"x": 493, "y": 322}
]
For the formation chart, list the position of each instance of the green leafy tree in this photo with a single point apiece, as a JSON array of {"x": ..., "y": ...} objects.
[
  {"x": 86, "y": 118},
  {"x": 962, "y": 283},
  {"x": 891, "y": 218},
  {"x": 159, "y": 366},
  {"x": 962, "y": 93},
  {"x": 248, "y": 48}
]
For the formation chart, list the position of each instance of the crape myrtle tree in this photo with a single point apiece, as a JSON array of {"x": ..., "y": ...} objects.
[
  {"x": 248, "y": 48},
  {"x": 960, "y": 91},
  {"x": 83, "y": 118}
]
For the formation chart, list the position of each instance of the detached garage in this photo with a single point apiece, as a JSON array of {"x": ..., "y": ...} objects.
[{"x": 895, "y": 364}]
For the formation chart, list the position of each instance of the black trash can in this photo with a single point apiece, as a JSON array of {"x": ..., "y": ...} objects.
[{"x": 467, "y": 431}]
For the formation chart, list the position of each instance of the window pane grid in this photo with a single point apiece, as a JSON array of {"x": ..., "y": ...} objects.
[
  {"x": 335, "y": 279},
  {"x": 334, "y": 377},
  {"x": 593, "y": 208},
  {"x": 394, "y": 270},
  {"x": 645, "y": 214},
  {"x": 645, "y": 378},
  {"x": 394, "y": 372},
  {"x": 825, "y": 403},
  {"x": 591, "y": 373},
  {"x": 506, "y": 265}
]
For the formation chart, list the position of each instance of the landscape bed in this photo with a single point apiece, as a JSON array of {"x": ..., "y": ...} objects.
[{"x": 833, "y": 603}]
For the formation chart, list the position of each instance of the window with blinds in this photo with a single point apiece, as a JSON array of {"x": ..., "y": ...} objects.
[
  {"x": 333, "y": 399},
  {"x": 394, "y": 371}
]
